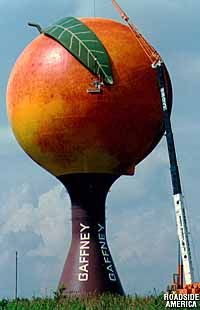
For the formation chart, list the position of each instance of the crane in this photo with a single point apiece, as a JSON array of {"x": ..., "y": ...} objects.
[
  {"x": 185, "y": 257},
  {"x": 181, "y": 220}
]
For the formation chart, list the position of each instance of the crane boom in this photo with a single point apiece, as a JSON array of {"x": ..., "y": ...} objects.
[{"x": 181, "y": 221}]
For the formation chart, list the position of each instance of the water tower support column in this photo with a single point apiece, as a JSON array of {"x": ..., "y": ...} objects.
[{"x": 89, "y": 267}]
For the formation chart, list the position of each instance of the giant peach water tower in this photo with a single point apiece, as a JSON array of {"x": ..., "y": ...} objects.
[{"x": 84, "y": 103}]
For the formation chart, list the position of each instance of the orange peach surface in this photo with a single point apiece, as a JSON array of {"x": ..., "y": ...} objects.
[{"x": 65, "y": 129}]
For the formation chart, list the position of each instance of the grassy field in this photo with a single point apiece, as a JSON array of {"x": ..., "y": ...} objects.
[
  {"x": 104, "y": 302},
  {"x": 90, "y": 303}
]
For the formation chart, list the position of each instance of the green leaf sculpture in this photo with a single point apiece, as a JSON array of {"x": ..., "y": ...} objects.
[{"x": 82, "y": 43}]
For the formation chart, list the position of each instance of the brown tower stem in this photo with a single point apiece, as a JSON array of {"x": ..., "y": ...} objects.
[{"x": 89, "y": 267}]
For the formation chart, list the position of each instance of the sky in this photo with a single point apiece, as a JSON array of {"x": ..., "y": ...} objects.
[{"x": 34, "y": 206}]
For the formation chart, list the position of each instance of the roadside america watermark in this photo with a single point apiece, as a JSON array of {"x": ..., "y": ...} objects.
[{"x": 181, "y": 300}]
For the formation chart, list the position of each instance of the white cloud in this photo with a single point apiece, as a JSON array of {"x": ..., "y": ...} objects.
[
  {"x": 6, "y": 136},
  {"x": 40, "y": 232},
  {"x": 143, "y": 236},
  {"x": 48, "y": 219}
]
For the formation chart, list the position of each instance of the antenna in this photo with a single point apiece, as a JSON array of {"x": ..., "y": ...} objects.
[
  {"x": 94, "y": 5},
  {"x": 16, "y": 275}
]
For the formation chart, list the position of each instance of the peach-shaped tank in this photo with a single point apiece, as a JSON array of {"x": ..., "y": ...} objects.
[
  {"x": 87, "y": 140},
  {"x": 65, "y": 129}
]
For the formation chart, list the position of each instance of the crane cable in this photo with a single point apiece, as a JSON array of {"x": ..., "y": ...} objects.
[
  {"x": 147, "y": 48},
  {"x": 150, "y": 52}
]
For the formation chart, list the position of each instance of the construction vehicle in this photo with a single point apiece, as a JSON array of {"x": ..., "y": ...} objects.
[{"x": 185, "y": 265}]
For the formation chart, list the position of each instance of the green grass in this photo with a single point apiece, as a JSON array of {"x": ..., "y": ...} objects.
[{"x": 104, "y": 302}]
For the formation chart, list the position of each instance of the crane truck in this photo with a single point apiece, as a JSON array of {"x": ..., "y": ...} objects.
[{"x": 185, "y": 265}]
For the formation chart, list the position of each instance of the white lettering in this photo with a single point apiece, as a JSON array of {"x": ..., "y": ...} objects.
[
  {"x": 101, "y": 236},
  {"x": 83, "y": 260},
  {"x": 84, "y": 268},
  {"x": 181, "y": 300},
  {"x": 107, "y": 260},
  {"x": 84, "y": 245},
  {"x": 85, "y": 236},
  {"x": 110, "y": 268},
  {"x": 100, "y": 227},
  {"x": 167, "y": 304},
  {"x": 180, "y": 304},
  {"x": 106, "y": 254},
  {"x": 83, "y": 277},
  {"x": 164, "y": 102},
  {"x": 112, "y": 277},
  {"x": 84, "y": 227},
  {"x": 103, "y": 245},
  {"x": 84, "y": 253},
  {"x": 189, "y": 297}
]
